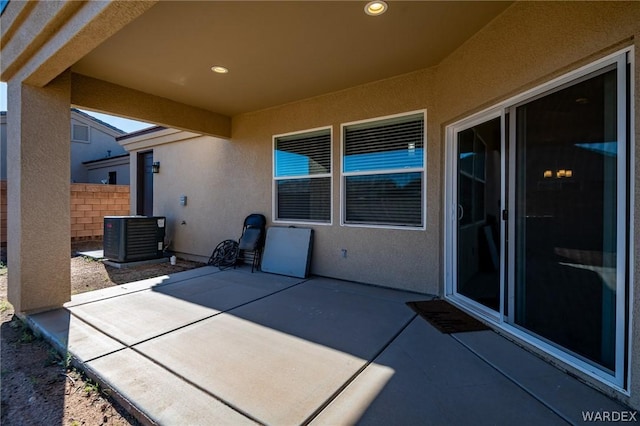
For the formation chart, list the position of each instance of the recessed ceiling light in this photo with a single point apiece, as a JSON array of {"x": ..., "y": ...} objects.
[
  {"x": 375, "y": 8},
  {"x": 219, "y": 69}
]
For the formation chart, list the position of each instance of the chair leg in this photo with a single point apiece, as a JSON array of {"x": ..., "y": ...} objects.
[
  {"x": 239, "y": 256},
  {"x": 255, "y": 261}
]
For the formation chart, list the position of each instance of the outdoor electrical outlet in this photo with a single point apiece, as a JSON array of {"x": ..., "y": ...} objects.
[
  {"x": 344, "y": 253},
  {"x": 183, "y": 200}
]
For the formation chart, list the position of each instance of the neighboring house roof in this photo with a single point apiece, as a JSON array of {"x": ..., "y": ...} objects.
[
  {"x": 87, "y": 116},
  {"x": 92, "y": 118},
  {"x": 106, "y": 158},
  {"x": 140, "y": 132},
  {"x": 93, "y": 153}
]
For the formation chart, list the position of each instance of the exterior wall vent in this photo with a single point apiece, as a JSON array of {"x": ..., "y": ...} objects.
[{"x": 80, "y": 133}]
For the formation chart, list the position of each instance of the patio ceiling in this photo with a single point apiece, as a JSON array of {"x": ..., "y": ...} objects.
[{"x": 278, "y": 52}]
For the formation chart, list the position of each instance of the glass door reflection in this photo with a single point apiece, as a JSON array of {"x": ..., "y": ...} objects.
[
  {"x": 478, "y": 216},
  {"x": 566, "y": 216}
]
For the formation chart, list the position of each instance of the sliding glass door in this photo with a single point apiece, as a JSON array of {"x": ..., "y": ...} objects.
[
  {"x": 567, "y": 159},
  {"x": 538, "y": 208},
  {"x": 479, "y": 165}
]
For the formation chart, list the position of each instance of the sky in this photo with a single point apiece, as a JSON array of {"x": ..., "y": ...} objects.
[{"x": 121, "y": 123}]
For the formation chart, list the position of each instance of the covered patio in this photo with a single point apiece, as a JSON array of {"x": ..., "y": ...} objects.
[
  {"x": 209, "y": 347},
  {"x": 502, "y": 175}
]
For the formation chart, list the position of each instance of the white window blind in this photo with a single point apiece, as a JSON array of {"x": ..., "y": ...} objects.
[
  {"x": 383, "y": 171},
  {"x": 302, "y": 176}
]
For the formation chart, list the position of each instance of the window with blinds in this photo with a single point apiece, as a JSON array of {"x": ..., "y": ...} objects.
[
  {"x": 302, "y": 176},
  {"x": 383, "y": 171}
]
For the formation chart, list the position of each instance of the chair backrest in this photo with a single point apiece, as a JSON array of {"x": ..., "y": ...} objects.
[
  {"x": 253, "y": 232},
  {"x": 251, "y": 239},
  {"x": 255, "y": 220}
]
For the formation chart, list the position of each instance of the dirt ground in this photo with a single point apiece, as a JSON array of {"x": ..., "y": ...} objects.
[{"x": 38, "y": 386}]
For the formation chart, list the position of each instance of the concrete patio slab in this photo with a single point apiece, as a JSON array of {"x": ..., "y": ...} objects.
[
  {"x": 162, "y": 396},
  {"x": 569, "y": 397},
  {"x": 124, "y": 265},
  {"x": 341, "y": 320},
  {"x": 212, "y": 290},
  {"x": 122, "y": 289},
  {"x": 74, "y": 335},
  {"x": 94, "y": 254},
  {"x": 140, "y": 316},
  {"x": 145, "y": 314},
  {"x": 232, "y": 347},
  {"x": 426, "y": 377},
  {"x": 243, "y": 275},
  {"x": 369, "y": 291},
  {"x": 248, "y": 350},
  {"x": 251, "y": 368}
]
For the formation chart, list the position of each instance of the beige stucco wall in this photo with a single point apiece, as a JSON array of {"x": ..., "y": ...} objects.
[
  {"x": 199, "y": 169},
  {"x": 529, "y": 44},
  {"x": 39, "y": 219},
  {"x": 497, "y": 63},
  {"x": 387, "y": 257},
  {"x": 227, "y": 180}
]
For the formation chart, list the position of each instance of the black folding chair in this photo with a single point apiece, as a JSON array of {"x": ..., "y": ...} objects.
[
  {"x": 248, "y": 248},
  {"x": 251, "y": 241}
]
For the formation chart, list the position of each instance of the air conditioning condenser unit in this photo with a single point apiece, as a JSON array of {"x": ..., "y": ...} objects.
[{"x": 133, "y": 238}]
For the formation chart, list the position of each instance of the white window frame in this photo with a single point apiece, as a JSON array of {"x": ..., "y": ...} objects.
[
  {"x": 73, "y": 133},
  {"x": 423, "y": 170},
  {"x": 274, "y": 188}
]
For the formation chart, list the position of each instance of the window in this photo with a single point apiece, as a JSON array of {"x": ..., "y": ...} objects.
[
  {"x": 302, "y": 176},
  {"x": 383, "y": 168},
  {"x": 113, "y": 178},
  {"x": 80, "y": 133}
]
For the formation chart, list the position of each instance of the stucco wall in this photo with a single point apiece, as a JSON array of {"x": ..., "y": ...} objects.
[
  {"x": 39, "y": 219},
  {"x": 3, "y": 147},
  {"x": 407, "y": 259},
  {"x": 99, "y": 171},
  {"x": 3, "y": 213},
  {"x": 214, "y": 212},
  {"x": 529, "y": 44},
  {"x": 99, "y": 174},
  {"x": 227, "y": 180},
  {"x": 100, "y": 142}
]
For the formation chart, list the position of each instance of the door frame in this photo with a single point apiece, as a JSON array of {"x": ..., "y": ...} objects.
[
  {"x": 621, "y": 378},
  {"x": 451, "y": 213}
]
